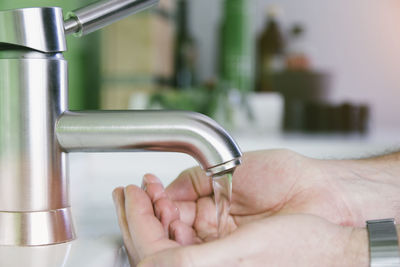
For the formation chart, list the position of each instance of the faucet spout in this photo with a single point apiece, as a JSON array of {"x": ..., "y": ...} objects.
[{"x": 172, "y": 131}]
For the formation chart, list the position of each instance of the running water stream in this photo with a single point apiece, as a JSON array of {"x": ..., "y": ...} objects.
[{"x": 222, "y": 186}]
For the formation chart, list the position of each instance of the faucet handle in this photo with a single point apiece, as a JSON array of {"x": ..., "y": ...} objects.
[
  {"x": 100, "y": 14},
  {"x": 43, "y": 28},
  {"x": 37, "y": 28}
]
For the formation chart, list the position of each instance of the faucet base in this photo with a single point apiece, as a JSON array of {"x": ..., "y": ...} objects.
[
  {"x": 36, "y": 228},
  {"x": 41, "y": 256}
]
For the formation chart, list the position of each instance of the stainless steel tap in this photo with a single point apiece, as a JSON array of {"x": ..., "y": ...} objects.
[{"x": 37, "y": 130}]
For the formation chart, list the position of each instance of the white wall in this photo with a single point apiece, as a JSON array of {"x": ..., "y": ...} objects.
[{"x": 357, "y": 41}]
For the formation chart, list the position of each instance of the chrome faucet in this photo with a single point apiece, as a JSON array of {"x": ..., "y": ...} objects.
[{"x": 37, "y": 130}]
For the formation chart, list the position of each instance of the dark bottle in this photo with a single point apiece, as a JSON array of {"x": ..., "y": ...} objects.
[
  {"x": 270, "y": 53},
  {"x": 185, "y": 50}
]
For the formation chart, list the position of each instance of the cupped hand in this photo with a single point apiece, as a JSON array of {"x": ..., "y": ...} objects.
[
  {"x": 155, "y": 234},
  {"x": 157, "y": 222}
]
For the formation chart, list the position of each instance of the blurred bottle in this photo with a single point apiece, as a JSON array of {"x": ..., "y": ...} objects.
[
  {"x": 185, "y": 49},
  {"x": 270, "y": 51},
  {"x": 236, "y": 48},
  {"x": 297, "y": 59}
]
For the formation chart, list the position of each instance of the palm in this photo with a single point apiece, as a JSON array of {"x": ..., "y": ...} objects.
[
  {"x": 282, "y": 182},
  {"x": 253, "y": 196}
]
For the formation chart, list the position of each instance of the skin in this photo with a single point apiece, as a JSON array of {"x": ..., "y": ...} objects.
[{"x": 287, "y": 210}]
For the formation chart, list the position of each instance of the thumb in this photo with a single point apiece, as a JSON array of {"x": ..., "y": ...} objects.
[
  {"x": 171, "y": 257},
  {"x": 204, "y": 255},
  {"x": 242, "y": 247},
  {"x": 190, "y": 185}
]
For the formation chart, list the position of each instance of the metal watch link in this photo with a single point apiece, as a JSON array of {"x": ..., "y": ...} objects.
[{"x": 383, "y": 243}]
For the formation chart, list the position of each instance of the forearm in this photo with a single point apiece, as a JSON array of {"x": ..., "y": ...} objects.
[
  {"x": 385, "y": 168},
  {"x": 367, "y": 189}
]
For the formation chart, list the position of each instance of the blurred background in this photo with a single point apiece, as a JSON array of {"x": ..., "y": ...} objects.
[
  {"x": 319, "y": 77},
  {"x": 259, "y": 66}
]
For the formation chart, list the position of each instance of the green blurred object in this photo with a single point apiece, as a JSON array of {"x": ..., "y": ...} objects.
[
  {"x": 201, "y": 99},
  {"x": 236, "y": 47},
  {"x": 82, "y": 55},
  {"x": 235, "y": 62}
]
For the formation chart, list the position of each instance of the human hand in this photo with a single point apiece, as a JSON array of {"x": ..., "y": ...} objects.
[
  {"x": 346, "y": 192},
  {"x": 283, "y": 240},
  {"x": 155, "y": 235},
  {"x": 277, "y": 183}
]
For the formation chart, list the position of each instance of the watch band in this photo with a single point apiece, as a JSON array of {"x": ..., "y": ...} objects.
[{"x": 383, "y": 243}]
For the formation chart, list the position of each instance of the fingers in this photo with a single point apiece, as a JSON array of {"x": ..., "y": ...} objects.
[
  {"x": 187, "y": 211},
  {"x": 153, "y": 187},
  {"x": 196, "y": 211},
  {"x": 165, "y": 210},
  {"x": 168, "y": 213},
  {"x": 148, "y": 218},
  {"x": 206, "y": 220},
  {"x": 119, "y": 202},
  {"x": 190, "y": 185},
  {"x": 183, "y": 234},
  {"x": 147, "y": 232}
]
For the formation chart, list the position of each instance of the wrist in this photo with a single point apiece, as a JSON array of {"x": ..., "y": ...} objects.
[{"x": 357, "y": 249}]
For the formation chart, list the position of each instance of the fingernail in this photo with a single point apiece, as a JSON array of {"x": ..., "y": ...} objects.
[
  {"x": 144, "y": 184},
  {"x": 149, "y": 179},
  {"x": 125, "y": 191},
  {"x": 114, "y": 193}
]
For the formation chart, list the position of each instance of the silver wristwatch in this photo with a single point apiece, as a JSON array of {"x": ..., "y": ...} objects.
[{"x": 383, "y": 243}]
